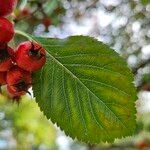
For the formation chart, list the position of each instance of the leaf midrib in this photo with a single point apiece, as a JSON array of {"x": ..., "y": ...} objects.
[{"x": 75, "y": 77}]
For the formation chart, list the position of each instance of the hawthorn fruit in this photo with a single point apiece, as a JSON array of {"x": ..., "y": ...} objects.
[
  {"x": 30, "y": 56},
  {"x": 7, "y": 7},
  {"x": 18, "y": 81},
  {"x": 6, "y": 30}
]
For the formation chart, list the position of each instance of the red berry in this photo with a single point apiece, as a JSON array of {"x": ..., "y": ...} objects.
[
  {"x": 47, "y": 22},
  {"x": 13, "y": 95},
  {"x": 30, "y": 56},
  {"x": 3, "y": 78},
  {"x": 142, "y": 145},
  {"x": 6, "y": 54},
  {"x": 6, "y": 30},
  {"x": 6, "y": 7},
  {"x": 25, "y": 12},
  {"x": 18, "y": 81}
]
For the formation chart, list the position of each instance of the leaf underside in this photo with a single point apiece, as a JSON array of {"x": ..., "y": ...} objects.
[{"x": 86, "y": 89}]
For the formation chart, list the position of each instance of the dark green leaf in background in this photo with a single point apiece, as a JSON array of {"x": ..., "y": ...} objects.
[{"x": 87, "y": 89}]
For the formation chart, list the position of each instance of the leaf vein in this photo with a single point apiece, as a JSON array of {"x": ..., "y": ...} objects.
[
  {"x": 66, "y": 100},
  {"x": 52, "y": 92},
  {"x": 96, "y": 67},
  {"x": 80, "y": 109},
  {"x": 85, "y": 54},
  {"x": 94, "y": 116},
  {"x": 91, "y": 110},
  {"x": 108, "y": 85}
]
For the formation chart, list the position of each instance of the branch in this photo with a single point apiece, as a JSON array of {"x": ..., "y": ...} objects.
[
  {"x": 141, "y": 65},
  {"x": 144, "y": 87},
  {"x": 93, "y": 4}
]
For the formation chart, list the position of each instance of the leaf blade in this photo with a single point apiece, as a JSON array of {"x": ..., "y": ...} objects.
[{"x": 88, "y": 97}]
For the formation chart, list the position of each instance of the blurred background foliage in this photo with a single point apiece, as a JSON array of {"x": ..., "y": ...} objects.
[
  {"x": 122, "y": 24},
  {"x": 24, "y": 126}
]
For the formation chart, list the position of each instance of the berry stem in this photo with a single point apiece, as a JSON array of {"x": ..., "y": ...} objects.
[{"x": 23, "y": 34}]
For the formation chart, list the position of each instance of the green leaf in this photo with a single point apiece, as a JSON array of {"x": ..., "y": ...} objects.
[
  {"x": 86, "y": 89},
  {"x": 145, "y": 2},
  {"x": 49, "y": 6}
]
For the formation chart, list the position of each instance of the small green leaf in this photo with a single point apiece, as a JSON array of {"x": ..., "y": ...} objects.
[{"x": 86, "y": 89}]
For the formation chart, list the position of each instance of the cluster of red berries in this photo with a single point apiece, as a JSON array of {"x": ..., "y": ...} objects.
[{"x": 17, "y": 65}]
